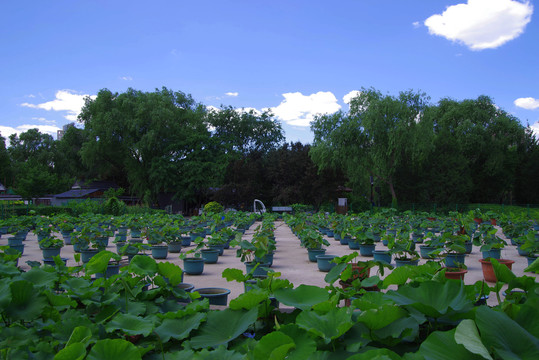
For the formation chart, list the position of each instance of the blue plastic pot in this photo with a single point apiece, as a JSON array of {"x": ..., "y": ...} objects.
[
  {"x": 366, "y": 249},
  {"x": 382, "y": 255},
  {"x": 186, "y": 241},
  {"x": 86, "y": 255},
  {"x": 344, "y": 240},
  {"x": 216, "y": 296},
  {"x": 492, "y": 253},
  {"x": 14, "y": 241},
  {"x": 210, "y": 256},
  {"x": 112, "y": 269},
  {"x": 353, "y": 244},
  {"x": 220, "y": 248},
  {"x": 261, "y": 269},
  {"x": 267, "y": 259},
  {"x": 159, "y": 251},
  {"x": 49, "y": 253},
  {"x": 468, "y": 245},
  {"x": 424, "y": 251},
  {"x": 314, "y": 252},
  {"x": 324, "y": 262},
  {"x": 175, "y": 247},
  {"x": 399, "y": 263},
  {"x": 193, "y": 266},
  {"x": 52, "y": 263},
  {"x": 19, "y": 248},
  {"x": 453, "y": 260},
  {"x": 531, "y": 259}
]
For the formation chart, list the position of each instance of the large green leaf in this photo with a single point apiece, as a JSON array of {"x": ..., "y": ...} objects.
[
  {"x": 40, "y": 277},
  {"x": 433, "y": 298},
  {"x": 305, "y": 346},
  {"x": 502, "y": 272},
  {"x": 113, "y": 349},
  {"x": 442, "y": 346},
  {"x": 249, "y": 300},
  {"x": 383, "y": 316},
  {"x": 143, "y": 266},
  {"x": 170, "y": 271},
  {"x": 328, "y": 326},
  {"x": 274, "y": 346},
  {"x": 303, "y": 297},
  {"x": 466, "y": 334},
  {"x": 179, "y": 328},
  {"x": 75, "y": 351},
  {"x": 376, "y": 354},
  {"x": 507, "y": 337},
  {"x": 534, "y": 267},
  {"x": 223, "y": 326},
  {"x": 80, "y": 334},
  {"x": 220, "y": 353},
  {"x": 99, "y": 262},
  {"x": 25, "y": 304},
  {"x": 130, "y": 325},
  {"x": 528, "y": 316}
]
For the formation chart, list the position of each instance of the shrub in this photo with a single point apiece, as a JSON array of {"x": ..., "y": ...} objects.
[{"x": 213, "y": 207}]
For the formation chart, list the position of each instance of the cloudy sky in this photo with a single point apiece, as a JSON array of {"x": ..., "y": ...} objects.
[{"x": 299, "y": 58}]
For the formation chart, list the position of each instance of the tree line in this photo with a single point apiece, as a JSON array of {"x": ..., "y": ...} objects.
[{"x": 158, "y": 142}]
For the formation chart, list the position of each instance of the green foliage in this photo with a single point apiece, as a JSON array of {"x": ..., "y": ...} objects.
[{"x": 213, "y": 207}]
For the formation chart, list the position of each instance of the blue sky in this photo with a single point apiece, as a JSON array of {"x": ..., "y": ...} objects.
[{"x": 298, "y": 58}]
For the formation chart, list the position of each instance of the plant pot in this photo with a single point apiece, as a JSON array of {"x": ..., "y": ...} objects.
[
  {"x": 424, "y": 251},
  {"x": 353, "y": 244},
  {"x": 14, "y": 241},
  {"x": 186, "y": 241},
  {"x": 210, "y": 256},
  {"x": 330, "y": 233},
  {"x": 267, "y": 259},
  {"x": 19, "y": 248},
  {"x": 417, "y": 238},
  {"x": 49, "y": 253},
  {"x": 531, "y": 259},
  {"x": 382, "y": 255},
  {"x": 366, "y": 249},
  {"x": 119, "y": 245},
  {"x": 186, "y": 287},
  {"x": 216, "y": 296},
  {"x": 313, "y": 252},
  {"x": 488, "y": 270},
  {"x": 112, "y": 269},
  {"x": 455, "y": 274},
  {"x": 136, "y": 240},
  {"x": 399, "y": 262},
  {"x": 522, "y": 252},
  {"x": 492, "y": 253},
  {"x": 453, "y": 260},
  {"x": 135, "y": 233},
  {"x": 67, "y": 239},
  {"x": 220, "y": 248},
  {"x": 249, "y": 284},
  {"x": 344, "y": 240},
  {"x": 52, "y": 263},
  {"x": 385, "y": 242},
  {"x": 468, "y": 245},
  {"x": 102, "y": 242},
  {"x": 175, "y": 247},
  {"x": 261, "y": 270},
  {"x": 159, "y": 251},
  {"x": 325, "y": 263},
  {"x": 87, "y": 254},
  {"x": 194, "y": 236},
  {"x": 193, "y": 266}
]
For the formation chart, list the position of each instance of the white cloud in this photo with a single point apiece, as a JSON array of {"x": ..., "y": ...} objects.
[
  {"x": 528, "y": 103},
  {"x": 535, "y": 129},
  {"x": 65, "y": 100},
  {"x": 6, "y": 131},
  {"x": 44, "y": 121},
  {"x": 352, "y": 94},
  {"x": 299, "y": 110},
  {"x": 416, "y": 24},
  {"x": 482, "y": 24},
  {"x": 126, "y": 78},
  {"x": 233, "y": 94}
]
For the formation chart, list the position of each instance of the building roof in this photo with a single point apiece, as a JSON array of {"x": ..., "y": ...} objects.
[{"x": 73, "y": 194}]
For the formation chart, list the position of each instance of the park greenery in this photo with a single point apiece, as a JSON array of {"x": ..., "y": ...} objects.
[
  {"x": 77, "y": 312},
  {"x": 151, "y": 143}
]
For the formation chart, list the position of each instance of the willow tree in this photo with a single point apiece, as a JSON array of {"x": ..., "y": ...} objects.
[{"x": 377, "y": 134}]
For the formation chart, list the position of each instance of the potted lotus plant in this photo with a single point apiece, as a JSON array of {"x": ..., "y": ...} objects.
[{"x": 51, "y": 246}]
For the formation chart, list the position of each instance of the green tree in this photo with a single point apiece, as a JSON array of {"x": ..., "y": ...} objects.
[
  {"x": 5, "y": 163},
  {"x": 150, "y": 142},
  {"x": 375, "y": 137},
  {"x": 33, "y": 155}
]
